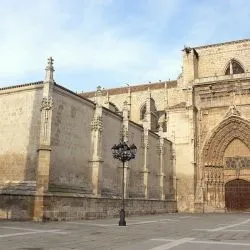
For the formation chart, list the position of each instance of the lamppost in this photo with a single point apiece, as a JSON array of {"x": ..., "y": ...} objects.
[{"x": 123, "y": 153}]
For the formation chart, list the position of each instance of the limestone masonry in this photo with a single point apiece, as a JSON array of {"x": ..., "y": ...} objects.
[{"x": 192, "y": 136}]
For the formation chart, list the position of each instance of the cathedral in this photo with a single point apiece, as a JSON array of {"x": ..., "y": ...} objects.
[{"x": 192, "y": 136}]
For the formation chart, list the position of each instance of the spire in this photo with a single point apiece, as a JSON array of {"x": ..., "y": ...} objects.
[
  {"x": 49, "y": 70},
  {"x": 98, "y": 96}
]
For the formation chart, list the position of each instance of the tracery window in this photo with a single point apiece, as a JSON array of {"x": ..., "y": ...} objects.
[{"x": 234, "y": 67}]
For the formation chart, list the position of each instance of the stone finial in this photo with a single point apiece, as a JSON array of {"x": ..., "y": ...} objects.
[
  {"x": 98, "y": 95},
  {"x": 49, "y": 70},
  {"x": 99, "y": 90}
]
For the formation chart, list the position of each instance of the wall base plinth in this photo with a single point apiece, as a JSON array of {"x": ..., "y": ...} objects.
[{"x": 58, "y": 207}]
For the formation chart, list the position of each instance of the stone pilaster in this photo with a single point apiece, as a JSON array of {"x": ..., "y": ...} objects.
[
  {"x": 145, "y": 172},
  {"x": 125, "y": 128},
  {"x": 148, "y": 110},
  {"x": 165, "y": 96},
  {"x": 96, "y": 144},
  {"x": 44, "y": 150},
  {"x": 129, "y": 101},
  {"x": 161, "y": 170}
]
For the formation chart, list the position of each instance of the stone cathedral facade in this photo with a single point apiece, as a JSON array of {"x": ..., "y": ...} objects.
[
  {"x": 206, "y": 114},
  {"x": 56, "y": 161},
  {"x": 192, "y": 136}
]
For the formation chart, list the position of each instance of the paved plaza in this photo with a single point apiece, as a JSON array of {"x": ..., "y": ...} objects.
[{"x": 156, "y": 232}]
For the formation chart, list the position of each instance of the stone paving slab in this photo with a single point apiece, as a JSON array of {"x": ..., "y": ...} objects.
[{"x": 158, "y": 232}]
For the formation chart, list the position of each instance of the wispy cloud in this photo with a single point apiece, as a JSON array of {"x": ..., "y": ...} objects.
[{"x": 109, "y": 42}]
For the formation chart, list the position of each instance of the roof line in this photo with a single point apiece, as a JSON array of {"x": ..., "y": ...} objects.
[
  {"x": 131, "y": 87},
  {"x": 220, "y": 44},
  {"x": 22, "y": 85}
]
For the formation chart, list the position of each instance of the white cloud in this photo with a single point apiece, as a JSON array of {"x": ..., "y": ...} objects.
[
  {"x": 91, "y": 35},
  {"x": 33, "y": 30}
]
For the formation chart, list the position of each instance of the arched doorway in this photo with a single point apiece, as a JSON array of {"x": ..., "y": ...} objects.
[
  {"x": 237, "y": 195},
  {"x": 226, "y": 156}
]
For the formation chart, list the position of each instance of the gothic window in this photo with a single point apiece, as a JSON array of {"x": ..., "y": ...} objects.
[
  {"x": 143, "y": 112},
  {"x": 234, "y": 67}
]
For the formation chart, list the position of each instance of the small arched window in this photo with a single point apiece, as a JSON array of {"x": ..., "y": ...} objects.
[{"x": 234, "y": 67}]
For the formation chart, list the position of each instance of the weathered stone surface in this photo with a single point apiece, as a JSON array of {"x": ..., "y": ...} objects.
[{"x": 185, "y": 132}]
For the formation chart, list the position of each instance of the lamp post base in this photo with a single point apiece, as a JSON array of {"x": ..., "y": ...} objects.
[{"x": 122, "y": 221}]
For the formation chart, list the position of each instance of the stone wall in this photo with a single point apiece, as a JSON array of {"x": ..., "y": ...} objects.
[
  {"x": 172, "y": 100},
  {"x": 16, "y": 206},
  {"x": 59, "y": 207},
  {"x": 136, "y": 185},
  {"x": 19, "y": 133},
  {"x": 70, "y": 143},
  {"x": 75, "y": 170},
  {"x": 212, "y": 60},
  {"x": 217, "y": 57},
  {"x": 154, "y": 167},
  {"x": 111, "y": 178}
]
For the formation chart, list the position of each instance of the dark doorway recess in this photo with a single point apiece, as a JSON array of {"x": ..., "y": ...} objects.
[{"x": 237, "y": 195}]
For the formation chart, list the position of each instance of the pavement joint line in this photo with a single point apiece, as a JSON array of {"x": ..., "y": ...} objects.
[
  {"x": 129, "y": 224},
  {"x": 29, "y": 229},
  {"x": 161, "y": 239},
  {"x": 219, "y": 243},
  {"x": 173, "y": 220},
  {"x": 93, "y": 224},
  {"x": 223, "y": 228},
  {"x": 193, "y": 241},
  {"x": 173, "y": 244},
  {"x": 236, "y": 230},
  {"x": 32, "y": 232},
  {"x": 229, "y": 226}
]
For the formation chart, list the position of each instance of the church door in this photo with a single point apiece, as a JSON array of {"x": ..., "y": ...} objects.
[{"x": 237, "y": 195}]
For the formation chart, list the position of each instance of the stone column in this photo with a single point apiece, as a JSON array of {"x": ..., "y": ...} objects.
[
  {"x": 96, "y": 145},
  {"x": 44, "y": 150}
]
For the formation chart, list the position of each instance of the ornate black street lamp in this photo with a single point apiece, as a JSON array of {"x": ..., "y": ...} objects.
[{"x": 123, "y": 153}]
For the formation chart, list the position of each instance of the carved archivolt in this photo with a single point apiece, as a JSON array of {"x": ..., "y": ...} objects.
[{"x": 231, "y": 128}]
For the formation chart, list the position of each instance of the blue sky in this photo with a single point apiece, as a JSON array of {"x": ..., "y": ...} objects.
[{"x": 110, "y": 42}]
